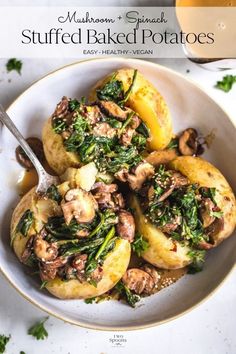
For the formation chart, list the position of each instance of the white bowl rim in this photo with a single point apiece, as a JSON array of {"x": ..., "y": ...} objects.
[{"x": 102, "y": 327}]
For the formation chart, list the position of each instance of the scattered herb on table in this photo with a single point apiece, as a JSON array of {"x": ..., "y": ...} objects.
[
  {"x": 38, "y": 330},
  {"x": 3, "y": 342},
  {"x": 226, "y": 83},
  {"x": 14, "y": 64}
]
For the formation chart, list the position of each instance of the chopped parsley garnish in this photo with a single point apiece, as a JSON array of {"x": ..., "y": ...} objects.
[
  {"x": 14, "y": 64},
  {"x": 25, "y": 222},
  {"x": 59, "y": 125},
  {"x": 226, "y": 83},
  {"x": 139, "y": 245},
  {"x": 74, "y": 104},
  {"x": 38, "y": 330},
  {"x": 3, "y": 342},
  {"x": 113, "y": 90},
  {"x": 127, "y": 294}
]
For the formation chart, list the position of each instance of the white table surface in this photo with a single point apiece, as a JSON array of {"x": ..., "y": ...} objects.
[{"x": 210, "y": 328}]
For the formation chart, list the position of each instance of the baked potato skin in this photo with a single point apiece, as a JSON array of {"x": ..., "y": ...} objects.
[
  {"x": 114, "y": 267},
  {"x": 57, "y": 157},
  {"x": 160, "y": 252},
  {"x": 148, "y": 103},
  {"x": 205, "y": 174}
]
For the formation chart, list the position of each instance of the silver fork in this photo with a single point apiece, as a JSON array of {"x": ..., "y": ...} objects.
[{"x": 45, "y": 180}]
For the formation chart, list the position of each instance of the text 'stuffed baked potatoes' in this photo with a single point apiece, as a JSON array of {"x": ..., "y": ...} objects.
[
  {"x": 147, "y": 102},
  {"x": 182, "y": 211},
  {"x": 75, "y": 241}
]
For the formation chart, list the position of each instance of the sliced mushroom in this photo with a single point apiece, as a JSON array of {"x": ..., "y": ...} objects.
[
  {"x": 171, "y": 226},
  {"x": 163, "y": 157},
  {"x": 176, "y": 180},
  {"x": 138, "y": 281},
  {"x": 80, "y": 205},
  {"x": 104, "y": 129},
  {"x": 111, "y": 109},
  {"x": 47, "y": 273},
  {"x": 135, "y": 122},
  {"x": 141, "y": 173},
  {"x": 179, "y": 180},
  {"x": 78, "y": 264},
  {"x": 62, "y": 108},
  {"x": 126, "y": 225},
  {"x": 103, "y": 194},
  {"x": 67, "y": 272},
  {"x": 28, "y": 250},
  {"x": 101, "y": 187},
  {"x": 166, "y": 194},
  {"x": 206, "y": 209},
  {"x": 153, "y": 272},
  {"x": 93, "y": 114},
  {"x": 97, "y": 274},
  {"x": 37, "y": 147},
  {"x": 188, "y": 144},
  {"x": 58, "y": 262},
  {"x": 44, "y": 250},
  {"x": 118, "y": 200},
  {"x": 127, "y": 136},
  {"x": 212, "y": 231}
]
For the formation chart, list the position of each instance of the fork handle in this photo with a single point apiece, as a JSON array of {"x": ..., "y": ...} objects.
[{"x": 6, "y": 120}]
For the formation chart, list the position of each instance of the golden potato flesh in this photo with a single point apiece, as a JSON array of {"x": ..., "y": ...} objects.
[
  {"x": 57, "y": 157},
  {"x": 114, "y": 267},
  {"x": 148, "y": 103},
  {"x": 162, "y": 251},
  {"x": 115, "y": 263},
  {"x": 205, "y": 174}
]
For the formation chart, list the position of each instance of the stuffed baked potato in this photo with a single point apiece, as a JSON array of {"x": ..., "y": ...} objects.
[
  {"x": 126, "y": 116},
  {"x": 145, "y": 100},
  {"x": 183, "y": 210},
  {"x": 73, "y": 237}
]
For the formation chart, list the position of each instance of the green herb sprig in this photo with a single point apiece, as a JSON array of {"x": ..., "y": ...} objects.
[
  {"x": 226, "y": 83},
  {"x": 3, "y": 342},
  {"x": 14, "y": 64},
  {"x": 38, "y": 330}
]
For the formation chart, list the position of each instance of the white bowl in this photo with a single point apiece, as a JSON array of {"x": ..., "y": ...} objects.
[{"x": 190, "y": 107}]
